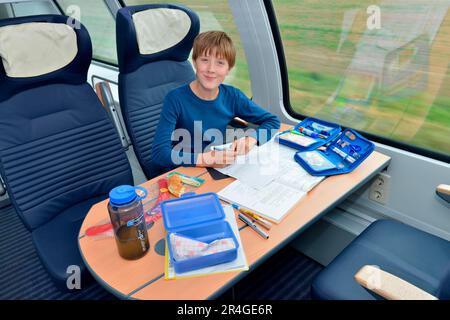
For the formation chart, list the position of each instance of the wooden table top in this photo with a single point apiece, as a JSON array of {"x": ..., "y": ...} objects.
[{"x": 144, "y": 278}]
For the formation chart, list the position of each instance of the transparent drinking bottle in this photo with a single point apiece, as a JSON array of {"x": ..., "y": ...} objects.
[{"x": 127, "y": 217}]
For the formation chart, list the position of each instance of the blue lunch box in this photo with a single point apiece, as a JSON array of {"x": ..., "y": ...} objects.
[{"x": 200, "y": 217}]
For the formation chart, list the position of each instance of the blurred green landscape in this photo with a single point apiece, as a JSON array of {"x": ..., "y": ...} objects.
[{"x": 311, "y": 33}]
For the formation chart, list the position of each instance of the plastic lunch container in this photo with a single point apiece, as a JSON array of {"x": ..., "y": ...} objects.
[{"x": 200, "y": 217}]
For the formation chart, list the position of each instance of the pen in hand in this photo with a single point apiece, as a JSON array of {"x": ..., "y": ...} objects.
[{"x": 253, "y": 226}]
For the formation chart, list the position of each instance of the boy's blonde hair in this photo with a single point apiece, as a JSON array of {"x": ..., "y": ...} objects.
[{"x": 208, "y": 41}]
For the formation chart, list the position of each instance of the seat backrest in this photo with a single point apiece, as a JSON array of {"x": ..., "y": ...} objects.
[
  {"x": 153, "y": 45},
  {"x": 444, "y": 289},
  {"x": 57, "y": 144}
]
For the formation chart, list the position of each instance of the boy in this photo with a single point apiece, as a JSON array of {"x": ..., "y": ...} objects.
[{"x": 200, "y": 111}]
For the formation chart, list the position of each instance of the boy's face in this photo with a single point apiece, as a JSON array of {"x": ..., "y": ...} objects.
[{"x": 211, "y": 70}]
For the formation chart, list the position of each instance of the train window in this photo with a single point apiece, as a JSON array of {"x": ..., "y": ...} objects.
[
  {"x": 100, "y": 24},
  {"x": 216, "y": 15},
  {"x": 382, "y": 69},
  {"x": 26, "y": 8}
]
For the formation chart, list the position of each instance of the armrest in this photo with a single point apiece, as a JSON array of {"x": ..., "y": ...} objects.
[
  {"x": 105, "y": 96},
  {"x": 99, "y": 91},
  {"x": 389, "y": 286},
  {"x": 2, "y": 188},
  {"x": 443, "y": 191}
]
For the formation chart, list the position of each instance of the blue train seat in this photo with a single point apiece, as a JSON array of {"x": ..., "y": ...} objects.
[
  {"x": 153, "y": 46},
  {"x": 415, "y": 256},
  {"x": 59, "y": 152}
]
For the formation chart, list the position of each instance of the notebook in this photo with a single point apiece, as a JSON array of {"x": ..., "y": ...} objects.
[
  {"x": 272, "y": 187},
  {"x": 270, "y": 163},
  {"x": 273, "y": 202}
]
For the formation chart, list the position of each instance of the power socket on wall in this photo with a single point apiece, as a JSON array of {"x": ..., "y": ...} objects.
[{"x": 379, "y": 190}]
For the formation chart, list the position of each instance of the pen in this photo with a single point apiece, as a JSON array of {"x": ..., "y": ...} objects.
[
  {"x": 311, "y": 133},
  {"x": 223, "y": 147},
  {"x": 253, "y": 226},
  {"x": 344, "y": 155},
  {"x": 266, "y": 224},
  {"x": 263, "y": 222},
  {"x": 321, "y": 128}
]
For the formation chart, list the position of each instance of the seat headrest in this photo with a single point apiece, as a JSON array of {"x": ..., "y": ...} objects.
[
  {"x": 154, "y": 32},
  {"x": 40, "y": 50}
]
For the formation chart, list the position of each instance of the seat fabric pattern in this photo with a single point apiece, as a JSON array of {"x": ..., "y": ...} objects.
[
  {"x": 59, "y": 152},
  {"x": 145, "y": 79}
]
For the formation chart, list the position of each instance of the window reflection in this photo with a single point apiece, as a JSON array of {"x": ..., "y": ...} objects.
[{"x": 390, "y": 79}]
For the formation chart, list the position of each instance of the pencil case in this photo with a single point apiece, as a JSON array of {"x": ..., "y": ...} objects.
[
  {"x": 342, "y": 155},
  {"x": 199, "y": 217},
  {"x": 309, "y": 134}
]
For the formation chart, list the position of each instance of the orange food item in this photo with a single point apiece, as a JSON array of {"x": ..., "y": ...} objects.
[{"x": 176, "y": 185}]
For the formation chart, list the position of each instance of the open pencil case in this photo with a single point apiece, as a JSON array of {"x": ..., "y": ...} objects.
[
  {"x": 309, "y": 134},
  {"x": 342, "y": 155}
]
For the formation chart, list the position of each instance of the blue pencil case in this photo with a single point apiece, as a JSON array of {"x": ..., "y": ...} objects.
[
  {"x": 309, "y": 134},
  {"x": 199, "y": 217},
  {"x": 342, "y": 155}
]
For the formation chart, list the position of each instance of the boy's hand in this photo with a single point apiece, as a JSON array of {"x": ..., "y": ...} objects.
[
  {"x": 243, "y": 145},
  {"x": 216, "y": 159}
]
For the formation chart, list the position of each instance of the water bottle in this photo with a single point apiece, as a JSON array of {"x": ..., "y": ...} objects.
[{"x": 127, "y": 217}]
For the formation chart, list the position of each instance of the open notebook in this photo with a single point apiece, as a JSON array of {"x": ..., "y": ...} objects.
[
  {"x": 269, "y": 188},
  {"x": 273, "y": 202}
]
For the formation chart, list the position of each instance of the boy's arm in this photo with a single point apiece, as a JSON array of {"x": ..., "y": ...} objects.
[
  {"x": 163, "y": 153},
  {"x": 251, "y": 112}
]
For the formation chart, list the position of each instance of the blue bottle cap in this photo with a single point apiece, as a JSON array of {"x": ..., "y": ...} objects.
[{"x": 122, "y": 195}]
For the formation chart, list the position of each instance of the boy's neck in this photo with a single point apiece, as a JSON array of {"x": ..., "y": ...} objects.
[{"x": 202, "y": 92}]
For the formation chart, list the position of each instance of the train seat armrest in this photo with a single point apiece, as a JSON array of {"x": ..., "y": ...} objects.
[
  {"x": 2, "y": 188},
  {"x": 443, "y": 191},
  {"x": 105, "y": 96},
  {"x": 100, "y": 88},
  {"x": 388, "y": 285}
]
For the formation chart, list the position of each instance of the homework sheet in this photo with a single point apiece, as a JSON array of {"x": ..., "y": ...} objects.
[
  {"x": 253, "y": 168},
  {"x": 269, "y": 163},
  {"x": 270, "y": 186},
  {"x": 273, "y": 202}
]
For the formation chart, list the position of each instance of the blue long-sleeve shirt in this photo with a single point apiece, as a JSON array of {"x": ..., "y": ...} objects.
[{"x": 188, "y": 124}]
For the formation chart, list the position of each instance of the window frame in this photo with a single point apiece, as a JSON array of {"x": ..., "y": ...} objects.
[
  {"x": 115, "y": 65},
  {"x": 10, "y": 3},
  {"x": 288, "y": 107}
]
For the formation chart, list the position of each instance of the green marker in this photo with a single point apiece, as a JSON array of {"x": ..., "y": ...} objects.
[{"x": 297, "y": 132}]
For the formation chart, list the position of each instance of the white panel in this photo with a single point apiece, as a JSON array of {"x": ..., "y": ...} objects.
[
  {"x": 36, "y": 48},
  {"x": 160, "y": 29}
]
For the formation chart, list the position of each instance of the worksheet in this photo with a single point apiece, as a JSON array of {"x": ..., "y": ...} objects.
[
  {"x": 268, "y": 163},
  {"x": 272, "y": 202}
]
